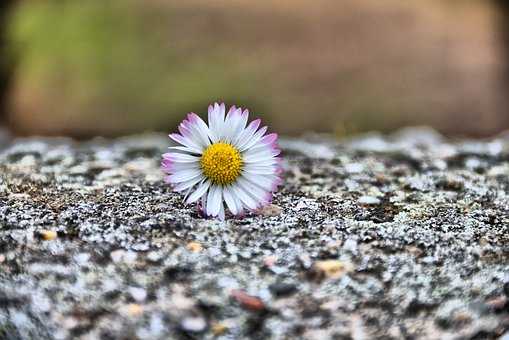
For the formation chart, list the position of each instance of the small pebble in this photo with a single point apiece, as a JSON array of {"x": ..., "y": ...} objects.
[
  {"x": 270, "y": 210},
  {"x": 415, "y": 251},
  {"x": 154, "y": 256},
  {"x": 117, "y": 255},
  {"x": 368, "y": 200},
  {"x": 130, "y": 257},
  {"x": 194, "y": 247},
  {"x": 48, "y": 235},
  {"x": 193, "y": 324},
  {"x": 82, "y": 258},
  {"x": 269, "y": 261},
  {"x": 354, "y": 168},
  {"x": 305, "y": 261},
  {"x": 69, "y": 323},
  {"x": 138, "y": 294},
  {"x": 134, "y": 309},
  {"x": 247, "y": 301},
  {"x": 498, "y": 303},
  {"x": 219, "y": 328},
  {"x": 121, "y": 255},
  {"x": 350, "y": 245},
  {"x": 282, "y": 289},
  {"x": 333, "y": 269}
]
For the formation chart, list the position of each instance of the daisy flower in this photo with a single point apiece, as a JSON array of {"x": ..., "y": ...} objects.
[{"x": 223, "y": 162}]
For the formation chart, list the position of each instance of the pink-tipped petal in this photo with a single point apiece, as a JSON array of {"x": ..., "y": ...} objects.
[
  {"x": 166, "y": 164},
  {"x": 270, "y": 138},
  {"x": 232, "y": 109}
]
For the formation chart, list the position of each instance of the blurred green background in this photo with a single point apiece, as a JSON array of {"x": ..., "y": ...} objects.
[{"x": 111, "y": 67}]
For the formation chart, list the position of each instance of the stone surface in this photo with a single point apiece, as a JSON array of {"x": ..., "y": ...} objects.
[{"x": 427, "y": 254}]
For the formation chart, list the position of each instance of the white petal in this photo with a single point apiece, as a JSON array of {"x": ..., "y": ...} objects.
[
  {"x": 196, "y": 134},
  {"x": 185, "y": 149},
  {"x": 232, "y": 123},
  {"x": 260, "y": 160},
  {"x": 267, "y": 183},
  {"x": 200, "y": 191},
  {"x": 214, "y": 200},
  {"x": 227, "y": 127},
  {"x": 247, "y": 133},
  {"x": 201, "y": 126},
  {"x": 230, "y": 201},
  {"x": 216, "y": 122},
  {"x": 184, "y": 175},
  {"x": 256, "y": 192},
  {"x": 188, "y": 184},
  {"x": 241, "y": 126},
  {"x": 176, "y": 167},
  {"x": 199, "y": 129},
  {"x": 255, "y": 169},
  {"x": 187, "y": 130},
  {"x": 221, "y": 214},
  {"x": 212, "y": 124},
  {"x": 262, "y": 157},
  {"x": 246, "y": 200},
  {"x": 187, "y": 193},
  {"x": 238, "y": 203},
  {"x": 253, "y": 140},
  {"x": 180, "y": 157},
  {"x": 262, "y": 146},
  {"x": 222, "y": 111},
  {"x": 261, "y": 150},
  {"x": 243, "y": 121},
  {"x": 187, "y": 142}
]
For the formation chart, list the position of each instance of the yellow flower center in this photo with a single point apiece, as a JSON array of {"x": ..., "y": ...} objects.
[{"x": 221, "y": 163}]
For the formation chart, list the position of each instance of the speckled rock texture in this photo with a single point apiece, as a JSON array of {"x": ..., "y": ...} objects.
[{"x": 377, "y": 237}]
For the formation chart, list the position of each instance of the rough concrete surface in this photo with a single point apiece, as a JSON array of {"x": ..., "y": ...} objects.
[{"x": 397, "y": 237}]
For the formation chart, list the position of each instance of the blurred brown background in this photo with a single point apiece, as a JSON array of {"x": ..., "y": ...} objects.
[{"x": 110, "y": 67}]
